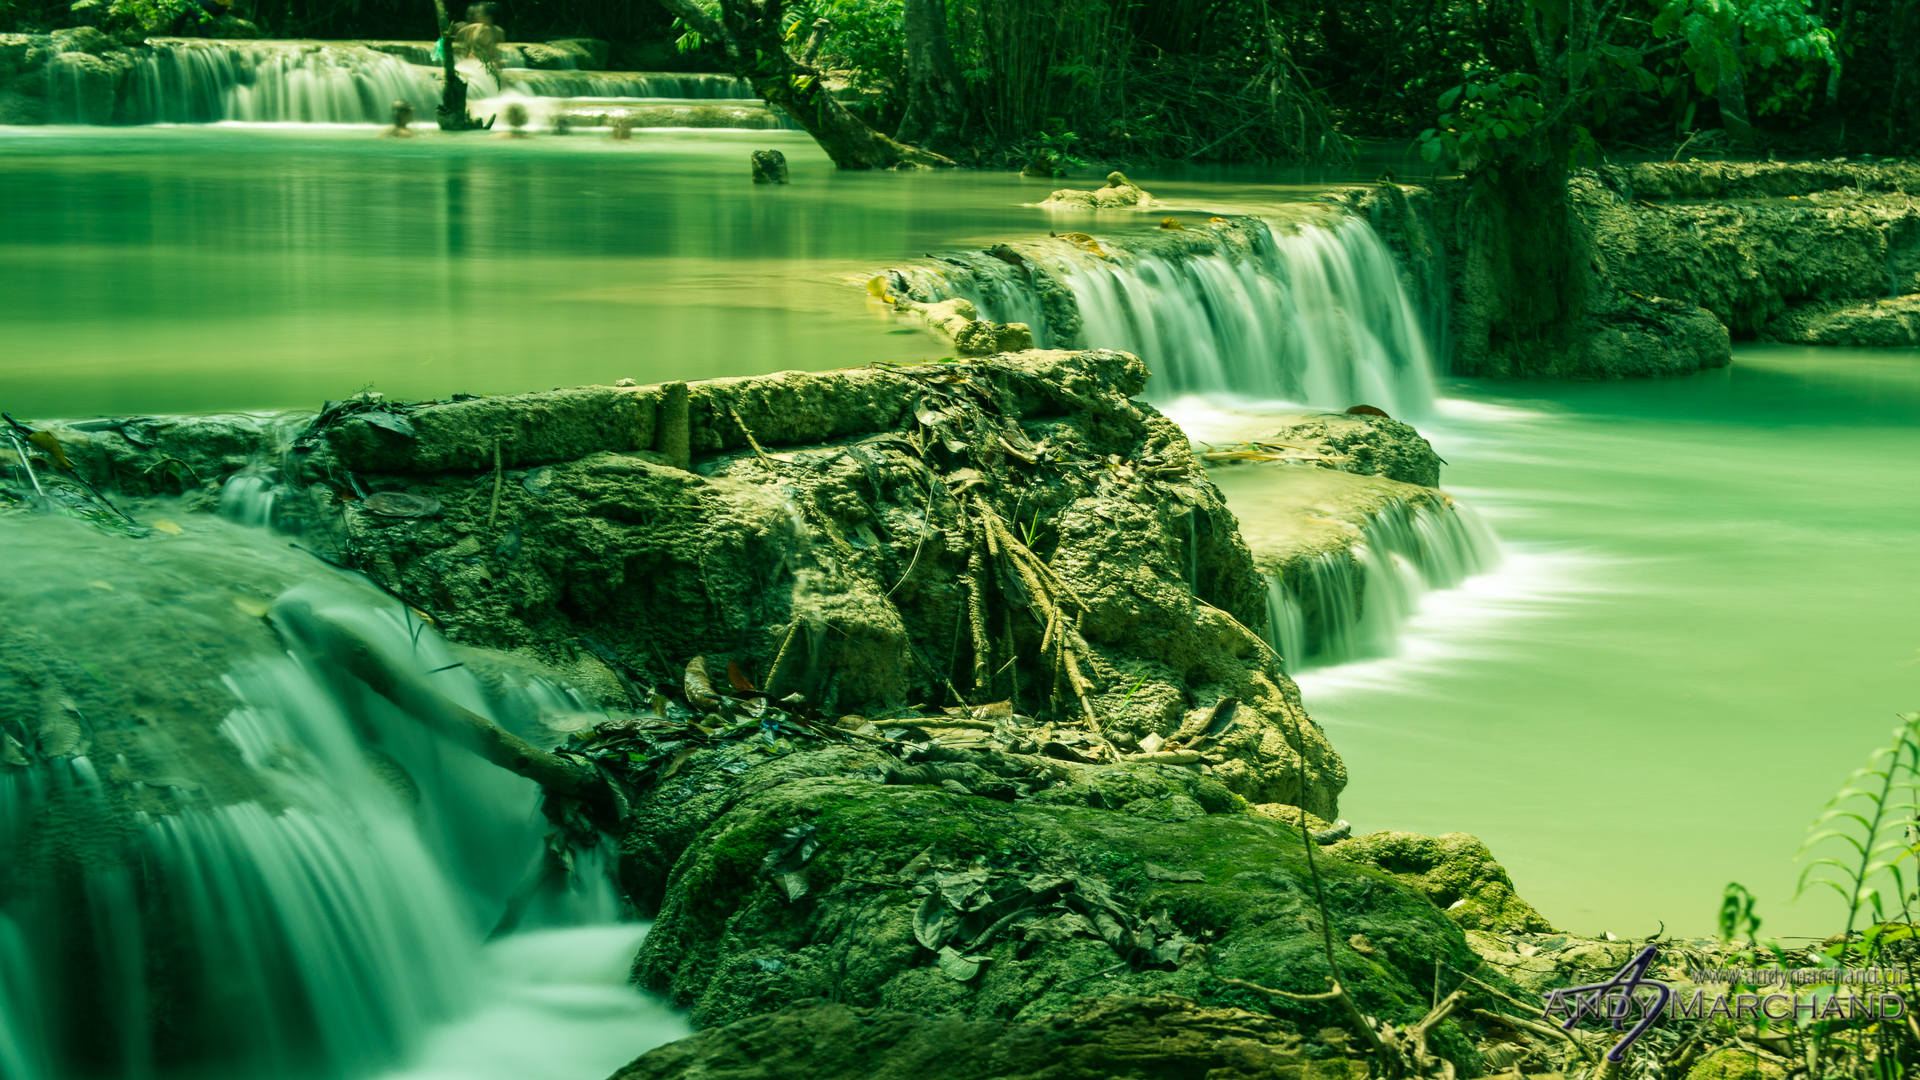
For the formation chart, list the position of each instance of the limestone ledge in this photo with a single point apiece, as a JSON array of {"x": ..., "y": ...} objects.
[{"x": 1684, "y": 257}]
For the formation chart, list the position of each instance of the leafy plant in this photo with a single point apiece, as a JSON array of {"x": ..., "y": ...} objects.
[
  {"x": 1736, "y": 914},
  {"x": 1726, "y": 37},
  {"x": 1869, "y": 821}
]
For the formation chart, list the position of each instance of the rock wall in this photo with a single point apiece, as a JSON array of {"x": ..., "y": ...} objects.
[{"x": 1680, "y": 258}]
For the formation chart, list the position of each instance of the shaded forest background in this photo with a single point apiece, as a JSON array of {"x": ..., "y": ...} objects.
[{"x": 1262, "y": 80}]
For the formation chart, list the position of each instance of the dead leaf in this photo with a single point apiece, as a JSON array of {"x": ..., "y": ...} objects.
[
  {"x": 45, "y": 441},
  {"x": 679, "y": 759},
  {"x": 738, "y": 678},
  {"x": 393, "y": 422},
  {"x": 400, "y": 504},
  {"x": 251, "y": 606},
  {"x": 699, "y": 685}
]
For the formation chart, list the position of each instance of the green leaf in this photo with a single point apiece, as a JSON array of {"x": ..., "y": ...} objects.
[{"x": 1447, "y": 99}]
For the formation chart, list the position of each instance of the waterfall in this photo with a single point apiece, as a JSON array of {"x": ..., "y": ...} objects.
[
  {"x": 1313, "y": 315},
  {"x": 295, "y": 885},
  {"x": 1336, "y": 607},
  {"x": 185, "y": 81}
]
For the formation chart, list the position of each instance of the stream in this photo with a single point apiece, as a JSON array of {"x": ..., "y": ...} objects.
[{"x": 1691, "y": 630}]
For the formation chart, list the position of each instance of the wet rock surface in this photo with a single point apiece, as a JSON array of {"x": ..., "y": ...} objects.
[
  {"x": 1352, "y": 442},
  {"x": 1892, "y": 322},
  {"x": 967, "y": 710},
  {"x": 1684, "y": 257},
  {"x": 927, "y": 898}
]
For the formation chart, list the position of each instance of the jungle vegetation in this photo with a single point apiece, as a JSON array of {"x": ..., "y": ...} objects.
[{"x": 1001, "y": 82}]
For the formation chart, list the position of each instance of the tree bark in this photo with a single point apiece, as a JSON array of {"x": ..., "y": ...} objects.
[
  {"x": 1730, "y": 87},
  {"x": 936, "y": 98},
  {"x": 1903, "y": 115},
  {"x": 750, "y": 32},
  {"x": 452, "y": 113}
]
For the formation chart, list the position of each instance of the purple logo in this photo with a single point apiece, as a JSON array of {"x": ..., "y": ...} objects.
[{"x": 1615, "y": 1000}]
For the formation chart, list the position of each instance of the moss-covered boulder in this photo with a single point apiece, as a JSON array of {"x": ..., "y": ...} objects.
[
  {"x": 806, "y": 873},
  {"x": 1455, "y": 871},
  {"x": 1361, "y": 443},
  {"x": 1119, "y": 193},
  {"x": 1018, "y": 530}
]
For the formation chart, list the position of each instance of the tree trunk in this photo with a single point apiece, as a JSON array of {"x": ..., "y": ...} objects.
[
  {"x": 1903, "y": 115},
  {"x": 936, "y": 101},
  {"x": 1525, "y": 275},
  {"x": 1730, "y": 87},
  {"x": 1840, "y": 36},
  {"x": 751, "y": 34},
  {"x": 452, "y": 113},
  {"x": 339, "y": 646}
]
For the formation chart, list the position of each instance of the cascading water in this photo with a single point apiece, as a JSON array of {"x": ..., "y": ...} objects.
[
  {"x": 1314, "y": 315},
  {"x": 1336, "y": 608},
  {"x": 195, "y": 82},
  {"x": 270, "y": 872}
]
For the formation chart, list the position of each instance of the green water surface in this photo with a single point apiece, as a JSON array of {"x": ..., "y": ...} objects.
[
  {"x": 1707, "y": 618},
  {"x": 1710, "y": 615}
]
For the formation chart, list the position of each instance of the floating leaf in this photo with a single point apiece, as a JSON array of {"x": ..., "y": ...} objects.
[{"x": 168, "y": 527}]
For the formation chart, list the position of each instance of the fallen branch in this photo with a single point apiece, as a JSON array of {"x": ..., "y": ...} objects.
[{"x": 332, "y": 642}]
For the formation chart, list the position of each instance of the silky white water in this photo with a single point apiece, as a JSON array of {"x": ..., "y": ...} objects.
[
  {"x": 314, "y": 899},
  {"x": 186, "y": 81},
  {"x": 1315, "y": 315}
]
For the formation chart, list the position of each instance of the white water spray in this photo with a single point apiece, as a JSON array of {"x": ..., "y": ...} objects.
[{"x": 1338, "y": 609}]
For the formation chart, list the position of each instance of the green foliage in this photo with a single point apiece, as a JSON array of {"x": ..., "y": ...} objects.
[
  {"x": 154, "y": 15},
  {"x": 1737, "y": 919},
  {"x": 1725, "y": 36},
  {"x": 865, "y": 39},
  {"x": 1869, "y": 823},
  {"x": 1485, "y": 119}
]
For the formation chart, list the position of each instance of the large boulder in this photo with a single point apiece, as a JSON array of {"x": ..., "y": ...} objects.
[{"x": 1009, "y": 895}]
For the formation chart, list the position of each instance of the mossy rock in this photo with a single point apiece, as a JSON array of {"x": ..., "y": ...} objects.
[
  {"x": 1734, "y": 1064},
  {"x": 733, "y": 939},
  {"x": 1159, "y": 1035},
  {"x": 1455, "y": 871}
]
